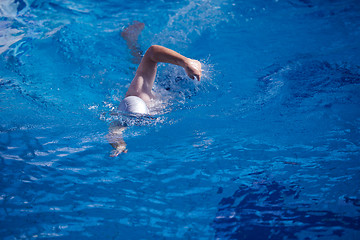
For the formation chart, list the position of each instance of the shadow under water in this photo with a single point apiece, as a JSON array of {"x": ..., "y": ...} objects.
[{"x": 261, "y": 212}]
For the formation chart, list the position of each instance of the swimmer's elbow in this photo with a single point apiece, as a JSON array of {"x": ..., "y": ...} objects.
[
  {"x": 157, "y": 53},
  {"x": 152, "y": 53}
]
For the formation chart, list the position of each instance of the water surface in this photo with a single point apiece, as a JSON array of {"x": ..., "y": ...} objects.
[{"x": 267, "y": 146}]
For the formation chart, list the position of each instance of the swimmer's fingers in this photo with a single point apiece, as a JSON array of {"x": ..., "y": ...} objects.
[
  {"x": 118, "y": 149},
  {"x": 117, "y": 152},
  {"x": 198, "y": 77},
  {"x": 114, "y": 153},
  {"x": 195, "y": 77}
]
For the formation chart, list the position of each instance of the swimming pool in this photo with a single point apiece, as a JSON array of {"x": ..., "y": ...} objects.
[{"x": 267, "y": 146}]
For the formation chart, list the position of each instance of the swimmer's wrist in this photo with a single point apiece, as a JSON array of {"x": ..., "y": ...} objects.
[{"x": 185, "y": 62}]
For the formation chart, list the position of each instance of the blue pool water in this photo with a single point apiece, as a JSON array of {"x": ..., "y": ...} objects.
[{"x": 266, "y": 146}]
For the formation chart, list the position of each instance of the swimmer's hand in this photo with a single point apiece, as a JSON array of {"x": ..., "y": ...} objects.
[
  {"x": 193, "y": 68},
  {"x": 118, "y": 150},
  {"x": 115, "y": 138}
]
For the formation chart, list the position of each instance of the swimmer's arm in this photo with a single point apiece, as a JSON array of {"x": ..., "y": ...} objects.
[
  {"x": 166, "y": 55},
  {"x": 143, "y": 81},
  {"x": 116, "y": 140}
]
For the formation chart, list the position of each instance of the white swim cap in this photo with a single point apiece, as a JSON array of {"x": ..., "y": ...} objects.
[{"x": 133, "y": 104}]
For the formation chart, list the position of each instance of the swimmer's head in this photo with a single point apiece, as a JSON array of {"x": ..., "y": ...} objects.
[{"x": 133, "y": 104}]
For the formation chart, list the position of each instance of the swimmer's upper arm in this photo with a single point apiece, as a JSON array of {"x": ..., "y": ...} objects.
[{"x": 144, "y": 77}]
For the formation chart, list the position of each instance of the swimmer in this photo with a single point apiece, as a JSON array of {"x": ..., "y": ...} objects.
[{"x": 140, "y": 93}]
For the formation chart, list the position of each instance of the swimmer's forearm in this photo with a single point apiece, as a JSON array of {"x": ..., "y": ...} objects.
[{"x": 158, "y": 53}]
